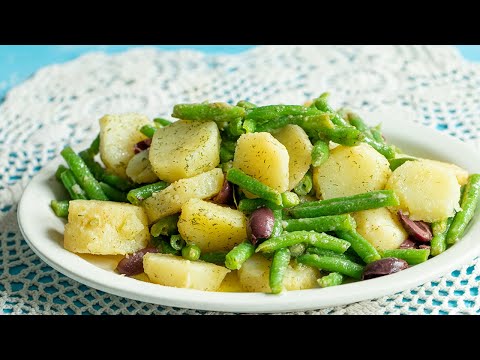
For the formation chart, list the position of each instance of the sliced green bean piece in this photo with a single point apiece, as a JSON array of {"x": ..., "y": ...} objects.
[
  {"x": 397, "y": 162},
  {"x": 60, "y": 208},
  {"x": 320, "y": 153},
  {"x": 468, "y": 204},
  {"x": 344, "y": 205},
  {"x": 218, "y": 112},
  {"x": 191, "y": 252},
  {"x": 165, "y": 248},
  {"x": 252, "y": 185},
  {"x": 247, "y": 105},
  {"x": 333, "y": 264},
  {"x": 321, "y": 103},
  {"x": 94, "y": 148},
  {"x": 279, "y": 266},
  {"x": 250, "y": 205},
  {"x": 362, "y": 247},
  {"x": 83, "y": 175},
  {"x": 277, "y": 229},
  {"x": 305, "y": 185},
  {"x": 70, "y": 183},
  {"x": 60, "y": 170},
  {"x": 166, "y": 226},
  {"x": 136, "y": 196},
  {"x": 112, "y": 193},
  {"x": 323, "y": 252},
  {"x": 238, "y": 255},
  {"x": 438, "y": 244},
  {"x": 289, "y": 199},
  {"x": 148, "y": 130},
  {"x": 298, "y": 249},
  {"x": 321, "y": 224},
  {"x": 332, "y": 279},
  {"x": 162, "y": 122},
  {"x": 320, "y": 240},
  {"x": 177, "y": 242},
  {"x": 214, "y": 257},
  {"x": 411, "y": 256}
]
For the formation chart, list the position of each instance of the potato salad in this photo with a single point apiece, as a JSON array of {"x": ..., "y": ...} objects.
[{"x": 260, "y": 198}]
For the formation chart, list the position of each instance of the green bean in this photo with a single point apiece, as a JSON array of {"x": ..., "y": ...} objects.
[
  {"x": 235, "y": 128},
  {"x": 279, "y": 266},
  {"x": 191, "y": 252},
  {"x": 247, "y": 105},
  {"x": 377, "y": 134},
  {"x": 165, "y": 226},
  {"x": 438, "y": 243},
  {"x": 112, "y": 193},
  {"x": 321, "y": 104},
  {"x": 162, "y": 122},
  {"x": 136, "y": 196},
  {"x": 227, "y": 150},
  {"x": 250, "y": 205},
  {"x": 332, "y": 279},
  {"x": 72, "y": 186},
  {"x": 320, "y": 153},
  {"x": 348, "y": 136},
  {"x": 148, "y": 130},
  {"x": 60, "y": 208},
  {"x": 252, "y": 185},
  {"x": 305, "y": 185},
  {"x": 321, "y": 224},
  {"x": 358, "y": 123},
  {"x": 333, "y": 264},
  {"x": 83, "y": 175},
  {"x": 60, "y": 170},
  {"x": 218, "y": 112},
  {"x": 165, "y": 248},
  {"x": 298, "y": 249},
  {"x": 226, "y": 166},
  {"x": 330, "y": 253},
  {"x": 116, "y": 181},
  {"x": 411, "y": 256},
  {"x": 277, "y": 224},
  {"x": 177, "y": 242},
  {"x": 362, "y": 247},
  {"x": 344, "y": 205},
  {"x": 397, "y": 162},
  {"x": 320, "y": 240},
  {"x": 468, "y": 204},
  {"x": 289, "y": 199},
  {"x": 217, "y": 257},
  {"x": 94, "y": 148},
  {"x": 238, "y": 255}
]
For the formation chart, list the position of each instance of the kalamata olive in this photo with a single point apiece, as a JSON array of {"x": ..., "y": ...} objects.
[
  {"x": 260, "y": 224},
  {"x": 142, "y": 145},
  {"x": 408, "y": 244},
  {"x": 383, "y": 267},
  {"x": 133, "y": 264},
  {"x": 225, "y": 196},
  {"x": 419, "y": 230}
]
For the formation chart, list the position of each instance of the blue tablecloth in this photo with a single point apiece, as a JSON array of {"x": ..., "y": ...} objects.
[{"x": 18, "y": 62}]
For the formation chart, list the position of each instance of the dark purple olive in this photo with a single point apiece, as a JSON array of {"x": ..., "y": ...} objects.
[
  {"x": 408, "y": 244},
  {"x": 423, "y": 246},
  {"x": 383, "y": 267},
  {"x": 133, "y": 264},
  {"x": 260, "y": 224},
  {"x": 142, "y": 145},
  {"x": 225, "y": 196},
  {"x": 419, "y": 230}
]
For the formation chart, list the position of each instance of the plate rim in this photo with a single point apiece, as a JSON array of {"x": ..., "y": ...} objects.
[{"x": 240, "y": 302}]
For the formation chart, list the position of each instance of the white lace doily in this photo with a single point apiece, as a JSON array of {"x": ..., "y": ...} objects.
[{"x": 430, "y": 84}]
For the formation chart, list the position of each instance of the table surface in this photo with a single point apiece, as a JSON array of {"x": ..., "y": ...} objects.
[{"x": 18, "y": 62}]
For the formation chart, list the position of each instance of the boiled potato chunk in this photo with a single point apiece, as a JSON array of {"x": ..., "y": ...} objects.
[
  {"x": 426, "y": 191},
  {"x": 118, "y": 135},
  {"x": 170, "y": 200},
  {"x": 171, "y": 270},
  {"x": 185, "y": 149},
  {"x": 461, "y": 174},
  {"x": 350, "y": 171},
  {"x": 299, "y": 148},
  {"x": 210, "y": 226},
  {"x": 105, "y": 228},
  {"x": 254, "y": 275},
  {"x": 381, "y": 228},
  {"x": 140, "y": 170},
  {"x": 263, "y": 157}
]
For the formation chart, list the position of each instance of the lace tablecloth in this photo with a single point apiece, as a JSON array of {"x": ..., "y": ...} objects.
[{"x": 61, "y": 104}]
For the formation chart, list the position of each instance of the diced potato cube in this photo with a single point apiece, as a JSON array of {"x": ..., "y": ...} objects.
[
  {"x": 170, "y": 270},
  {"x": 381, "y": 228},
  {"x": 210, "y": 226},
  {"x": 105, "y": 228},
  {"x": 426, "y": 191},
  {"x": 118, "y": 136},
  {"x": 350, "y": 171},
  {"x": 263, "y": 157},
  {"x": 299, "y": 148},
  {"x": 185, "y": 149},
  {"x": 140, "y": 170},
  {"x": 254, "y": 275},
  {"x": 170, "y": 200}
]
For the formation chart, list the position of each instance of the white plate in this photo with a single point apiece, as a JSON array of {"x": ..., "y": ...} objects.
[{"x": 43, "y": 232}]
